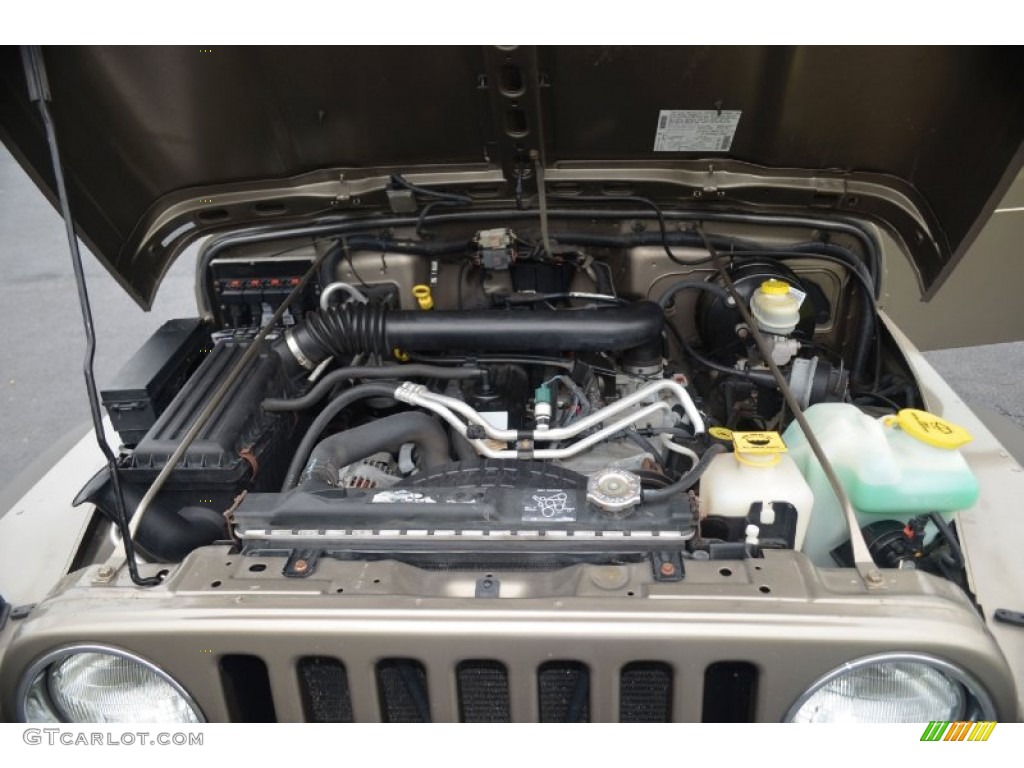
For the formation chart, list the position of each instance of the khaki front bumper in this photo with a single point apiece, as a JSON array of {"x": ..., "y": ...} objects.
[{"x": 781, "y": 617}]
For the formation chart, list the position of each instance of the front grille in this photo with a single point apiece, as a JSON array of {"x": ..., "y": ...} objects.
[
  {"x": 372, "y": 641},
  {"x": 247, "y": 689},
  {"x": 646, "y": 691},
  {"x": 729, "y": 688},
  {"x": 564, "y": 692},
  {"x": 483, "y": 692},
  {"x": 402, "y": 684},
  {"x": 325, "y": 694}
]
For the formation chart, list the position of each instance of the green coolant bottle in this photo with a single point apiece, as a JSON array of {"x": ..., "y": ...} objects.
[{"x": 892, "y": 468}]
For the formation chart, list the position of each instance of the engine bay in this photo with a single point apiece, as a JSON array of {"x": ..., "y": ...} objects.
[{"x": 453, "y": 396}]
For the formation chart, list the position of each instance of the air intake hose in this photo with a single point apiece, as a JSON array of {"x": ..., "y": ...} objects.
[
  {"x": 360, "y": 328},
  {"x": 388, "y": 434}
]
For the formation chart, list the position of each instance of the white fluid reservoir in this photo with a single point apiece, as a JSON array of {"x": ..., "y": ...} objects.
[
  {"x": 775, "y": 306},
  {"x": 735, "y": 481},
  {"x": 891, "y": 468}
]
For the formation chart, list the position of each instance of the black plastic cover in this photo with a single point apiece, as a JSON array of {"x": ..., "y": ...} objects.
[
  {"x": 241, "y": 445},
  {"x": 516, "y": 505},
  {"x": 240, "y": 448},
  {"x": 143, "y": 388}
]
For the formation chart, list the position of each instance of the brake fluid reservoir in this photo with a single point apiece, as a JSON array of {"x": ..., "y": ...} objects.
[
  {"x": 759, "y": 470},
  {"x": 775, "y": 306},
  {"x": 891, "y": 468}
]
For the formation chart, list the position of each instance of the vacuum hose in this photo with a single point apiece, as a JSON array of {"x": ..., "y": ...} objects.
[{"x": 361, "y": 328}]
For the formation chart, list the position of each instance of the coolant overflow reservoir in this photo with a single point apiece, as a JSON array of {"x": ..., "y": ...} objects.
[
  {"x": 775, "y": 306},
  {"x": 891, "y": 468}
]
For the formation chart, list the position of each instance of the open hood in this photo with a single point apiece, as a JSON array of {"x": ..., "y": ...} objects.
[{"x": 162, "y": 145}]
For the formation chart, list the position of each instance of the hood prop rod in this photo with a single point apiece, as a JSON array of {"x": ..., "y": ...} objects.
[
  {"x": 39, "y": 91},
  {"x": 862, "y": 560},
  {"x": 222, "y": 390},
  {"x": 542, "y": 199}
]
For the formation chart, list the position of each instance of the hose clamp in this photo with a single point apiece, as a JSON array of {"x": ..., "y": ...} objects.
[{"x": 297, "y": 353}]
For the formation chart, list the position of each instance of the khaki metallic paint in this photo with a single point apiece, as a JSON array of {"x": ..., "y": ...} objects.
[{"x": 810, "y": 622}]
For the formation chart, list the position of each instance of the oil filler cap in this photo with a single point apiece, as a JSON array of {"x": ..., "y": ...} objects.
[{"x": 929, "y": 429}]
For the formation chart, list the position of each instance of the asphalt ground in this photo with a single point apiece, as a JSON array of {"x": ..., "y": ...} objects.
[{"x": 42, "y": 391}]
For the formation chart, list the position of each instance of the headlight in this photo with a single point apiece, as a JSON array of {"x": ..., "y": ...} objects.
[
  {"x": 96, "y": 684},
  {"x": 893, "y": 688}
]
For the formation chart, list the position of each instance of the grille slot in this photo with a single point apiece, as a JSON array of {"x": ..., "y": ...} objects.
[
  {"x": 483, "y": 691},
  {"x": 402, "y": 687},
  {"x": 564, "y": 692},
  {"x": 730, "y": 688},
  {"x": 645, "y": 692},
  {"x": 247, "y": 689},
  {"x": 483, "y": 688},
  {"x": 325, "y": 692}
]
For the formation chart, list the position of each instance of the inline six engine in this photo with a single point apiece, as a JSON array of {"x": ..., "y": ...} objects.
[{"x": 485, "y": 400}]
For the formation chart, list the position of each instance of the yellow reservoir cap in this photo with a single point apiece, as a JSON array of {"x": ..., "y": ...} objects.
[
  {"x": 930, "y": 429},
  {"x": 423, "y": 296},
  {"x": 758, "y": 449},
  {"x": 721, "y": 433},
  {"x": 758, "y": 443},
  {"x": 775, "y": 287}
]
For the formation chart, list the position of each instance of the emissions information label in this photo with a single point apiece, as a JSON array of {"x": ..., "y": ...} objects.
[{"x": 696, "y": 130}]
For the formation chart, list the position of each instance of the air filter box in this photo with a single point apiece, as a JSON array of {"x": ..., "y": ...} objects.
[{"x": 241, "y": 447}]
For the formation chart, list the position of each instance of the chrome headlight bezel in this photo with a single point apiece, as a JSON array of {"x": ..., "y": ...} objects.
[
  {"x": 978, "y": 704},
  {"x": 41, "y": 666}
]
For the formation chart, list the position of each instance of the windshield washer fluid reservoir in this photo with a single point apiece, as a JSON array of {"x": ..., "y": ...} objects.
[
  {"x": 759, "y": 470},
  {"x": 892, "y": 468}
]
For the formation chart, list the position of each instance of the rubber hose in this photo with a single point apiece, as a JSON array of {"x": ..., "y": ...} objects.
[
  {"x": 687, "y": 481},
  {"x": 168, "y": 533},
  {"x": 328, "y": 382},
  {"x": 353, "y": 329},
  {"x": 464, "y": 450},
  {"x": 666, "y": 298},
  {"x": 335, "y": 406},
  {"x": 761, "y": 378},
  {"x": 378, "y": 244},
  {"x": 388, "y": 434}
]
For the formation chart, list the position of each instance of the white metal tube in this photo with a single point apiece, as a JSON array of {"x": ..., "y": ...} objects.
[
  {"x": 680, "y": 449},
  {"x": 417, "y": 394},
  {"x": 483, "y": 449},
  {"x": 333, "y": 288},
  {"x": 571, "y": 450},
  {"x": 603, "y": 434},
  {"x": 443, "y": 411}
]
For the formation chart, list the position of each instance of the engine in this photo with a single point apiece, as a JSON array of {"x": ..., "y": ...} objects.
[{"x": 484, "y": 401}]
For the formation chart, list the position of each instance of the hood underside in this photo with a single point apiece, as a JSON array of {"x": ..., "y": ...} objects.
[{"x": 163, "y": 145}]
